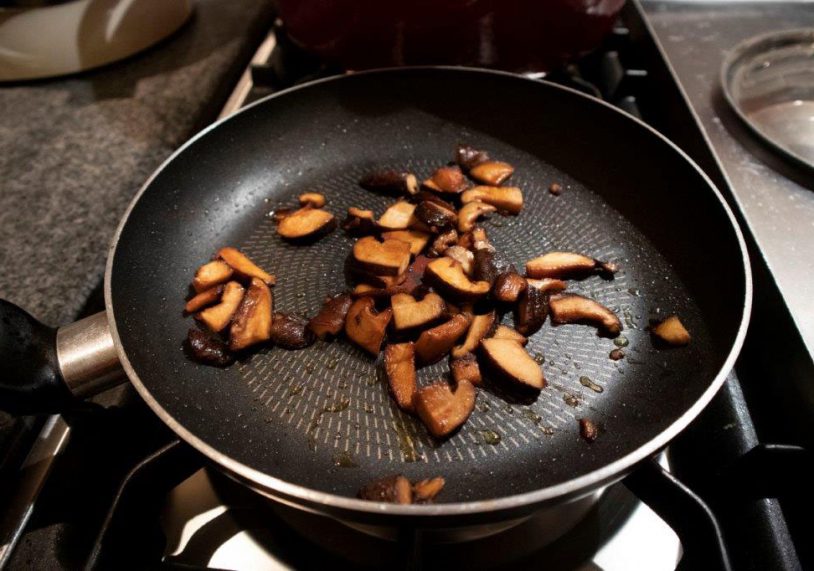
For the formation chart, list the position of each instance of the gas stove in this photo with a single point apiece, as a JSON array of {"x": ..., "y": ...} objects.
[{"x": 111, "y": 487}]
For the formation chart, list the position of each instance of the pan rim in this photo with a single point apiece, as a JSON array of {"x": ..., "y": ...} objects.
[{"x": 302, "y": 496}]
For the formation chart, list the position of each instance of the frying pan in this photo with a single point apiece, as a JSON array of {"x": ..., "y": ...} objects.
[{"x": 309, "y": 428}]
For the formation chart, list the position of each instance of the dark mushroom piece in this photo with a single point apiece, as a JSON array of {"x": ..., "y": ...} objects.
[
  {"x": 469, "y": 214},
  {"x": 436, "y": 342},
  {"x": 398, "y": 216},
  {"x": 493, "y": 173},
  {"x": 483, "y": 266},
  {"x": 567, "y": 265},
  {"x": 411, "y": 314},
  {"x": 448, "y": 277},
  {"x": 442, "y": 242},
  {"x": 291, "y": 332},
  {"x": 507, "y": 198},
  {"x": 252, "y": 321},
  {"x": 393, "y": 490},
  {"x": 365, "y": 327},
  {"x": 390, "y": 182},
  {"x": 465, "y": 368},
  {"x": 573, "y": 308},
  {"x": 509, "y": 285},
  {"x": 306, "y": 224},
  {"x": 531, "y": 311},
  {"x": 443, "y": 410},
  {"x": 425, "y": 491},
  {"x": 204, "y": 299},
  {"x": 448, "y": 180},
  {"x": 555, "y": 188},
  {"x": 243, "y": 266},
  {"x": 360, "y": 222},
  {"x": 468, "y": 157},
  {"x": 313, "y": 199},
  {"x": 671, "y": 331},
  {"x": 399, "y": 364},
  {"x": 331, "y": 318},
  {"x": 208, "y": 349},
  {"x": 418, "y": 240},
  {"x": 506, "y": 332},
  {"x": 588, "y": 430},
  {"x": 435, "y": 216},
  {"x": 212, "y": 274},
  {"x": 508, "y": 360},
  {"x": 217, "y": 317},
  {"x": 480, "y": 328},
  {"x": 389, "y": 258}
]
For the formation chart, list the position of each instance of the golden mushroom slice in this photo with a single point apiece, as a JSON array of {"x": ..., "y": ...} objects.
[
  {"x": 461, "y": 255},
  {"x": 331, "y": 318},
  {"x": 567, "y": 265},
  {"x": 493, "y": 173},
  {"x": 398, "y": 216},
  {"x": 573, "y": 308},
  {"x": 411, "y": 314},
  {"x": 204, "y": 299},
  {"x": 444, "y": 410},
  {"x": 547, "y": 285},
  {"x": 243, "y": 266},
  {"x": 360, "y": 222},
  {"x": 509, "y": 361},
  {"x": 312, "y": 199},
  {"x": 508, "y": 198},
  {"x": 506, "y": 332},
  {"x": 388, "y": 258},
  {"x": 252, "y": 320},
  {"x": 211, "y": 274},
  {"x": 465, "y": 368},
  {"x": 481, "y": 326},
  {"x": 671, "y": 331},
  {"x": 418, "y": 240},
  {"x": 306, "y": 224},
  {"x": 449, "y": 278},
  {"x": 399, "y": 364},
  {"x": 365, "y": 327},
  {"x": 449, "y": 180},
  {"x": 469, "y": 214},
  {"x": 217, "y": 317},
  {"x": 434, "y": 343}
]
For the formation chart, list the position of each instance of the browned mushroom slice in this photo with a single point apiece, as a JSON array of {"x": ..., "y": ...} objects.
[
  {"x": 468, "y": 157},
  {"x": 376, "y": 280},
  {"x": 243, "y": 266},
  {"x": 434, "y": 343},
  {"x": 443, "y": 410},
  {"x": 462, "y": 256},
  {"x": 367, "y": 290},
  {"x": 587, "y": 429},
  {"x": 465, "y": 368},
  {"x": 480, "y": 241},
  {"x": 572, "y": 308},
  {"x": 389, "y": 258},
  {"x": 312, "y": 199},
  {"x": 468, "y": 215},
  {"x": 506, "y": 332},
  {"x": 217, "y": 317},
  {"x": 567, "y": 265},
  {"x": 481, "y": 327},
  {"x": 671, "y": 331},
  {"x": 506, "y": 198},
  {"x": 291, "y": 332},
  {"x": 390, "y": 182},
  {"x": 418, "y": 240},
  {"x": 434, "y": 216},
  {"x": 306, "y": 224},
  {"x": 508, "y": 286},
  {"x": 425, "y": 491},
  {"x": 493, "y": 173},
  {"x": 365, "y": 327},
  {"x": 211, "y": 274},
  {"x": 410, "y": 314},
  {"x": 252, "y": 321},
  {"x": 393, "y": 490},
  {"x": 398, "y": 216},
  {"x": 360, "y": 222},
  {"x": 208, "y": 349},
  {"x": 531, "y": 311},
  {"x": 399, "y": 364},
  {"x": 509, "y": 361},
  {"x": 483, "y": 266},
  {"x": 442, "y": 242},
  {"x": 427, "y": 196},
  {"x": 331, "y": 318},
  {"x": 448, "y": 277},
  {"x": 449, "y": 180},
  {"x": 203, "y": 299},
  {"x": 547, "y": 285}
]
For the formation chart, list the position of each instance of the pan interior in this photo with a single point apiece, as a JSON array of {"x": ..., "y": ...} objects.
[{"x": 322, "y": 417}]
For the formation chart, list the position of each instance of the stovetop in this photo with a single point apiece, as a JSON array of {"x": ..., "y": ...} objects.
[{"x": 116, "y": 489}]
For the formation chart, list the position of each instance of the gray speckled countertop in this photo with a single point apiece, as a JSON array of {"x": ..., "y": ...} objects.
[{"x": 74, "y": 151}]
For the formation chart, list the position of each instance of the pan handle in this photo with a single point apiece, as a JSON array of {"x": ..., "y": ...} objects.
[{"x": 46, "y": 370}]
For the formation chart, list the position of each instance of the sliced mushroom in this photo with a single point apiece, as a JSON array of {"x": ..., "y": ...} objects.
[
  {"x": 508, "y": 286},
  {"x": 312, "y": 199},
  {"x": 480, "y": 241},
  {"x": 468, "y": 157},
  {"x": 434, "y": 343},
  {"x": 398, "y": 216},
  {"x": 389, "y": 258},
  {"x": 399, "y": 364},
  {"x": 443, "y": 410},
  {"x": 449, "y": 180},
  {"x": 209, "y": 349},
  {"x": 427, "y": 196},
  {"x": 367, "y": 290},
  {"x": 425, "y": 491},
  {"x": 506, "y": 198},
  {"x": 573, "y": 308},
  {"x": 462, "y": 256},
  {"x": 291, "y": 332},
  {"x": 448, "y": 277},
  {"x": 671, "y": 331},
  {"x": 469, "y": 214},
  {"x": 547, "y": 285},
  {"x": 493, "y": 173},
  {"x": 365, "y": 327},
  {"x": 392, "y": 490},
  {"x": 243, "y": 266},
  {"x": 306, "y": 224},
  {"x": 331, "y": 318},
  {"x": 567, "y": 265},
  {"x": 252, "y": 320},
  {"x": 217, "y": 317},
  {"x": 506, "y": 332},
  {"x": 531, "y": 311},
  {"x": 509, "y": 361},
  {"x": 481, "y": 326},
  {"x": 442, "y": 242},
  {"x": 360, "y": 222},
  {"x": 587, "y": 429},
  {"x": 390, "y": 182},
  {"x": 418, "y": 240},
  {"x": 204, "y": 299},
  {"x": 465, "y": 368},
  {"x": 483, "y": 266},
  {"x": 411, "y": 314},
  {"x": 211, "y": 274},
  {"x": 375, "y": 280},
  {"x": 435, "y": 216},
  {"x": 279, "y": 213}
]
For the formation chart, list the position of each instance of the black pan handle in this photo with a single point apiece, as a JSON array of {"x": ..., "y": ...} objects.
[{"x": 46, "y": 370}]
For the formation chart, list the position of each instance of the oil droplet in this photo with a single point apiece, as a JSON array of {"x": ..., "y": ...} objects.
[
  {"x": 371, "y": 381},
  {"x": 309, "y": 368},
  {"x": 484, "y": 407},
  {"x": 338, "y": 406},
  {"x": 634, "y": 292},
  {"x": 490, "y": 437},
  {"x": 547, "y": 430},
  {"x": 539, "y": 358},
  {"x": 368, "y": 408},
  {"x": 621, "y": 341},
  {"x": 587, "y": 382},
  {"x": 296, "y": 389},
  {"x": 509, "y": 409},
  {"x": 331, "y": 364},
  {"x": 345, "y": 460},
  {"x": 616, "y": 354},
  {"x": 532, "y": 416},
  {"x": 407, "y": 444}
]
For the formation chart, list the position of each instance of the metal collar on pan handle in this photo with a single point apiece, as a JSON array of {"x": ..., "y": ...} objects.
[{"x": 46, "y": 370}]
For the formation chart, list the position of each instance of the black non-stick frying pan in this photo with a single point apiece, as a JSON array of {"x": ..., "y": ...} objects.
[{"x": 311, "y": 427}]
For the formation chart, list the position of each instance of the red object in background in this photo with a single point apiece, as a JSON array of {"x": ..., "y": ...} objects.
[{"x": 519, "y": 35}]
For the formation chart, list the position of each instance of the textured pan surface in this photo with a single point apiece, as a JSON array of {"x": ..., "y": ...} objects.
[{"x": 628, "y": 197}]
